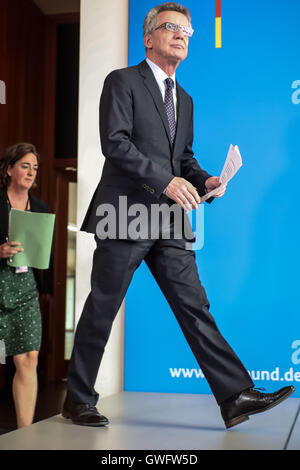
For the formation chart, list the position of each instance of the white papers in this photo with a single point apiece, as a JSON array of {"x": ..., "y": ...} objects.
[{"x": 231, "y": 166}]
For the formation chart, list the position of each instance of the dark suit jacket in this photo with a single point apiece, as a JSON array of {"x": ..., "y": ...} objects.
[
  {"x": 135, "y": 139},
  {"x": 44, "y": 284}
]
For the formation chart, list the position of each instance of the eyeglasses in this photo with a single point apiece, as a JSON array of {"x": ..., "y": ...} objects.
[{"x": 173, "y": 27}]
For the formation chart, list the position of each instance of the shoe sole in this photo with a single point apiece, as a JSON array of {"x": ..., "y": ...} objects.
[
  {"x": 94, "y": 425},
  {"x": 245, "y": 416}
]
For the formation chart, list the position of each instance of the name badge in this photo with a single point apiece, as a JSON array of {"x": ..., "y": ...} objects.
[{"x": 22, "y": 269}]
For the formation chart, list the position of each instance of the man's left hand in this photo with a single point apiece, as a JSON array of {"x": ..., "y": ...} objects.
[{"x": 212, "y": 183}]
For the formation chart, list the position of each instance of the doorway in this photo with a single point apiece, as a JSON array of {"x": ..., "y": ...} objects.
[{"x": 63, "y": 319}]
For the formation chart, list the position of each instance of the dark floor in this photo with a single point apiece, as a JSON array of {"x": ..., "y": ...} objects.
[{"x": 49, "y": 403}]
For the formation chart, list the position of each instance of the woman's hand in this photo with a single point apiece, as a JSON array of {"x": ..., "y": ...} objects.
[{"x": 9, "y": 249}]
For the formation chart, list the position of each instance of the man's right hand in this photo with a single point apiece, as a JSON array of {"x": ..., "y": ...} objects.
[{"x": 183, "y": 192}]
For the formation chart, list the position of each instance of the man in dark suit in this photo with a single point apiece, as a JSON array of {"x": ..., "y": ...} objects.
[{"x": 146, "y": 129}]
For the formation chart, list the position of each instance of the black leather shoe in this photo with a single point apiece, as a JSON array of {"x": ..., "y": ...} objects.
[
  {"x": 250, "y": 402},
  {"x": 83, "y": 414}
]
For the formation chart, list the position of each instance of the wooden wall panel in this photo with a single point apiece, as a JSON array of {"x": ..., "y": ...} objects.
[{"x": 21, "y": 68}]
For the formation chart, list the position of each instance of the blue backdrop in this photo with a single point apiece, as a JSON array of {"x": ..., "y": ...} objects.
[{"x": 245, "y": 93}]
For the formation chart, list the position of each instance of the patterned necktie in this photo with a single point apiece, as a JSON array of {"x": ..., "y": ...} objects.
[{"x": 169, "y": 105}]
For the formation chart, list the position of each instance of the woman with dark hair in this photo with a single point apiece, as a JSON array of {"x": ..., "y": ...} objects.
[{"x": 20, "y": 317}]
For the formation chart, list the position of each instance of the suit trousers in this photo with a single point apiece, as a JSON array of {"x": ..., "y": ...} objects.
[{"x": 175, "y": 270}]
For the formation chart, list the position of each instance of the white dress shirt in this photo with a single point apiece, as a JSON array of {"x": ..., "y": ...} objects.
[{"x": 160, "y": 77}]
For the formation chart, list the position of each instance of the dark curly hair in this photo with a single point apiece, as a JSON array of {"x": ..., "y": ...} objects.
[{"x": 11, "y": 156}]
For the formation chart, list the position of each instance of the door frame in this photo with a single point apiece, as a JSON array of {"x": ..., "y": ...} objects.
[{"x": 58, "y": 364}]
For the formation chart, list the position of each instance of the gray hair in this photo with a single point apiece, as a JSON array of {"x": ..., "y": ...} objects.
[{"x": 151, "y": 19}]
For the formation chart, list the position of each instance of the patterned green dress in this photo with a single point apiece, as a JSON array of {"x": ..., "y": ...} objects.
[{"x": 20, "y": 316}]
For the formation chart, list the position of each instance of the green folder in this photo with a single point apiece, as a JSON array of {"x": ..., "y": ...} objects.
[{"x": 34, "y": 230}]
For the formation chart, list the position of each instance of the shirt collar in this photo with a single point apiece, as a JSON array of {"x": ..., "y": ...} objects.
[{"x": 159, "y": 74}]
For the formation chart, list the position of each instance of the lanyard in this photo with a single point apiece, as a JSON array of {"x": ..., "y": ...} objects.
[
  {"x": 20, "y": 269},
  {"x": 10, "y": 206}
]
